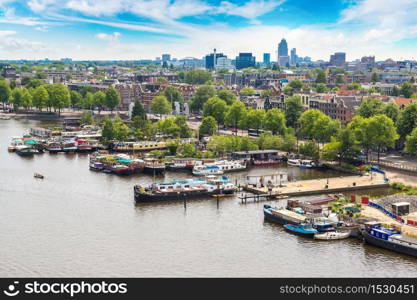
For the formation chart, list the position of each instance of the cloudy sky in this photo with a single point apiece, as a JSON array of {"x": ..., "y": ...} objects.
[{"x": 144, "y": 29}]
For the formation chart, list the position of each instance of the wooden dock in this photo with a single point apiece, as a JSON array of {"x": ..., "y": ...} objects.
[{"x": 320, "y": 186}]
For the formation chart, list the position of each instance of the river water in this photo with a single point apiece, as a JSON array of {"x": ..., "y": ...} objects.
[{"x": 79, "y": 223}]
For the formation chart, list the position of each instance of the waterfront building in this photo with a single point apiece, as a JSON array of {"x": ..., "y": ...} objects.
[
  {"x": 245, "y": 60},
  {"x": 338, "y": 59}
]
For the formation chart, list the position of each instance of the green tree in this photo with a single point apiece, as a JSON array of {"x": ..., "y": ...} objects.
[
  {"x": 76, "y": 99},
  {"x": 88, "y": 101},
  {"x": 296, "y": 84},
  {"x": 321, "y": 88},
  {"x": 293, "y": 110},
  {"x": 382, "y": 132},
  {"x": 121, "y": 130},
  {"x": 87, "y": 118},
  {"x": 215, "y": 107},
  {"x": 5, "y": 92},
  {"x": 160, "y": 105},
  {"x": 26, "y": 99},
  {"x": 290, "y": 141},
  {"x": 227, "y": 96},
  {"x": 184, "y": 130},
  {"x": 247, "y": 91},
  {"x": 340, "y": 79},
  {"x": 309, "y": 149},
  {"x": 321, "y": 77},
  {"x": 407, "y": 120},
  {"x": 317, "y": 126},
  {"x": 99, "y": 99},
  {"x": 411, "y": 143},
  {"x": 344, "y": 146},
  {"x": 112, "y": 98},
  {"x": 108, "y": 133},
  {"x": 201, "y": 96},
  {"x": 197, "y": 77},
  {"x": 407, "y": 89},
  {"x": 370, "y": 107},
  {"x": 275, "y": 121},
  {"x": 235, "y": 113},
  {"x": 187, "y": 150},
  {"x": 173, "y": 95},
  {"x": 59, "y": 96},
  {"x": 17, "y": 96},
  {"x": 391, "y": 110},
  {"x": 138, "y": 111},
  {"x": 208, "y": 126},
  {"x": 254, "y": 119},
  {"x": 40, "y": 97},
  {"x": 353, "y": 86}
]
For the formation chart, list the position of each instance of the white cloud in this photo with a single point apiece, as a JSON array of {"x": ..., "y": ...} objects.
[
  {"x": 111, "y": 38},
  {"x": 249, "y": 10}
]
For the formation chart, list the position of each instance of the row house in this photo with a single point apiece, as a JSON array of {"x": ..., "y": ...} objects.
[{"x": 332, "y": 106}]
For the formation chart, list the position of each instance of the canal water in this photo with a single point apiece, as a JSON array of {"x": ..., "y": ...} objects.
[{"x": 78, "y": 223}]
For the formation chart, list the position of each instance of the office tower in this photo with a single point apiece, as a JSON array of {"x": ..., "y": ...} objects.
[
  {"x": 338, "y": 59},
  {"x": 245, "y": 60},
  {"x": 293, "y": 59},
  {"x": 211, "y": 59},
  {"x": 283, "y": 58},
  {"x": 267, "y": 58}
]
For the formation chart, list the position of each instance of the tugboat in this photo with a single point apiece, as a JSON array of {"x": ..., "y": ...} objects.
[
  {"x": 376, "y": 235},
  {"x": 180, "y": 189}
]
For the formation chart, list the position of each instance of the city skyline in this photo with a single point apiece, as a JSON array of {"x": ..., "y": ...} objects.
[{"x": 107, "y": 30}]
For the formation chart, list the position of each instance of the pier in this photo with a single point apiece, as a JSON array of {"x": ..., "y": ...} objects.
[{"x": 320, "y": 186}]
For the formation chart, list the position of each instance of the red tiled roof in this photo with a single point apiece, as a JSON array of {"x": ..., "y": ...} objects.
[{"x": 403, "y": 101}]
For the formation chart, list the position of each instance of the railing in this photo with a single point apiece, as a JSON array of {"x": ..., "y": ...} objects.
[
  {"x": 394, "y": 166},
  {"x": 392, "y": 215}
]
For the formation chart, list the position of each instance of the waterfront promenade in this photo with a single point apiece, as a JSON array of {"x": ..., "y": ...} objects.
[{"x": 323, "y": 185}]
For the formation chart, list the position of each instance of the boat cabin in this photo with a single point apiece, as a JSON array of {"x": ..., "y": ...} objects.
[{"x": 256, "y": 155}]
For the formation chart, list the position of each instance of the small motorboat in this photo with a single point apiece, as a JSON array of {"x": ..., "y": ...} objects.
[
  {"x": 332, "y": 235},
  {"x": 37, "y": 175},
  {"x": 302, "y": 229}
]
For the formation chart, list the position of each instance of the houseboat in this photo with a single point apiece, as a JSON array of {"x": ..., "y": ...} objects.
[
  {"x": 180, "y": 189},
  {"x": 54, "y": 147},
  {"x": 376, "y": 235},
  {"x": 139, "y": 146},
  {"x": 84, "y": 146},
  {"x": 69, "y": 146},
  {"x": 153, "y": 167},
  {"x": 180, "y": 164},
  {"x": 282, "y": 216},
  {"x": 231, "y": 165},
  {"x": 204, "y": 170},
  {"x": 26, "y": 151}
]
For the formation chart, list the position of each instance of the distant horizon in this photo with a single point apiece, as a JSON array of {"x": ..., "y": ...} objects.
[{"x": 102, "y": 30}]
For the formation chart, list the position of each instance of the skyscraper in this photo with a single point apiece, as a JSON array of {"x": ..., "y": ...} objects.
[
  {"x": 293, "y": 59},
  {"x": 267, "y": 58},
  {"x": 166, "y": 57},
  {"x": 283, "y": 58},
  {"x": 211, "y": 59}
]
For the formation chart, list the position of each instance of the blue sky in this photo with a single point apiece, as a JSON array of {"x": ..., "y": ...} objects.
[{"x": 143, "y": 29}]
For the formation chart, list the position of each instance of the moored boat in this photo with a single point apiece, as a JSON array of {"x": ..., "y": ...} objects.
[
  {"x": 69, "y": 147},
  {"x": 306, "y": 164},
  {"x": 204, "y": 170},
  {"x": 306, "y": 230},
  {"x": 180, "y": 189},
  {"x": 376, "y": 235},
  {"x": 293, "y": 162},
  {"x": 282, "y": 216},
  {"x": 26, "y": 151},
  {"x": 332, "y": 235},
  {"x": 54, "y": 147},
  {"x": 16, "y": 141},
  {"x": 153, "y": 167}
]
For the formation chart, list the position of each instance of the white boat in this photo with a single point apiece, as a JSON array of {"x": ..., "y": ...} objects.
[
  {"x": 203, "y": 170},
  {"x": 293, "y": 162},
  {"x": 306, "y": 164},
  {"x": 332, "y": 235},
  {"x": 230, "y": 166},
  {"x": 16, "y": 142}
]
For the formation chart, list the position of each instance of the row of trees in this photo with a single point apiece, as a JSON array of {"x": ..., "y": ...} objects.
[{"x": 58, "y": 97}]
